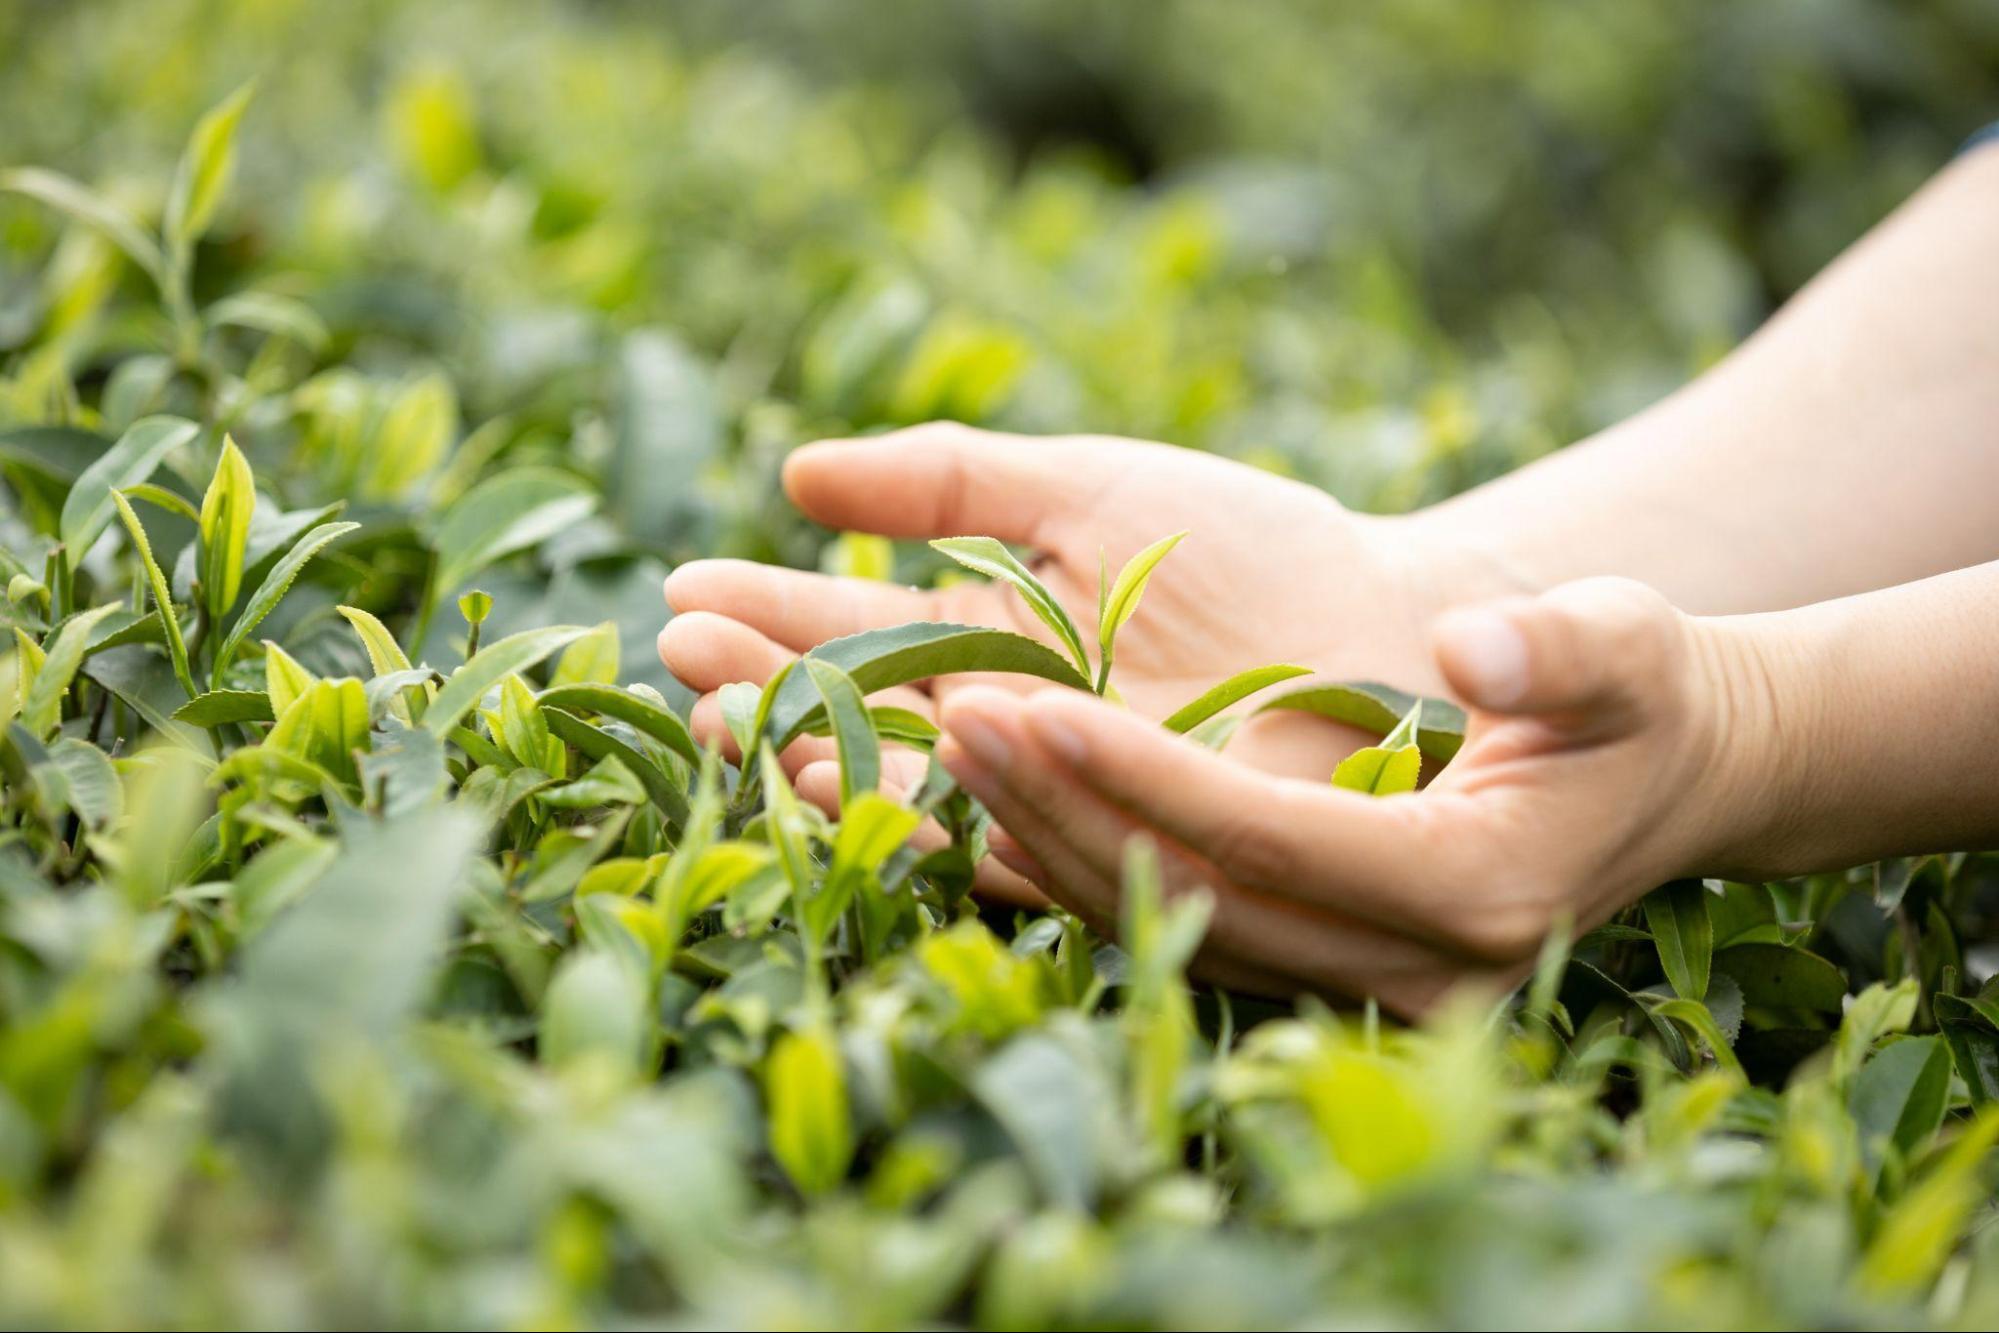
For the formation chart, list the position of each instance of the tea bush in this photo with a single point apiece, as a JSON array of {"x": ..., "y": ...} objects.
[{"x": 377, "y": 946}]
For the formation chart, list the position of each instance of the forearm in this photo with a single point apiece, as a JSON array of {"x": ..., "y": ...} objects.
[
  {"x": 1851, "y": 444},
  {"x": 1859, "y": 728}
]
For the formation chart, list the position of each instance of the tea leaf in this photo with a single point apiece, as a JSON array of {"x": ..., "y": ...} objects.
[
  {"x": 1231, "y": 691},
  {"x": 139, "y": 451},
  {"x": 1899, "y": 1096},
  {"x": 1377, "y": 708},
  {"x": 1971, "y": 1026},
  {"x": 1775, "y": 974},
  {"x": 94, "y": 790},
  {"x": 220, "y": 707},
  {"x": 594, "y": 1008},
  {"x": 41, "y": 701},
  {"x": 987, "y": 556},
  {"x": 163, "y": 498},
  {"x": 269, "y": 313},
  {"x": 811, "y": 1134},
  {"x": 597, "y": 743},
  {"x": 592, "y": 659},
  {"x": 877, "y": 659},
  {"x": 416, "y": 431},
  {"x": 225, "y": 529},
  {"x": 92, "y": 210},
  {"x": 465, "y": 687},
  {"x": 1918, "y": 1234},
  {"x": 385, "y": 655},
  {"x": 284, "y": 678},
  {"x": 1678, "y": 918},
  {"x": 274, "y": 587},
  {"x": 853, "y": 730},
  {"x": 1379, "y": 771},
  {"x": 510, "y": 512},
  {"x": 1388, "y": 769},
  {"x": 204, "y": 171},
  {"x": 1121, "y": 603},
  {"x": 633, "y": 709},
  {"x": 162, "y": 598}
]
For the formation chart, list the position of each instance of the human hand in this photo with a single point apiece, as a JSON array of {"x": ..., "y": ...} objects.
[
  {"x": 1271, "y": 571},
  {"x": 1608, "y": 752}
]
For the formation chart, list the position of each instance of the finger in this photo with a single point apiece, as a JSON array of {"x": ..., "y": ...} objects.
[
  {"x": 1254, "y": 942},
  {"x": 1597, "y": 650},
  {"x": 944, "y": 479},
  {"x": 1376, "y": 860},
  {"x": 708, "y": 728},
  {"x": 819, "y": 783},
  {"x": 800, "y": 610},
  {"x": 706, "y": 651}
]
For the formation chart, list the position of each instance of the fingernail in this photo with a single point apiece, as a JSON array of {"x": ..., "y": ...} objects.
[
  {"x": 1490, "y": 652},
  {"x": 1056, "y": 733},
  {"x": 982, "y": 739}
]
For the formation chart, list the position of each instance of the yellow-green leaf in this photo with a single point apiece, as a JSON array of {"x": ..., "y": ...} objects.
[
  {"x": 811, "y": 1131},
  {"x": 205, "y": 168},
  {"x": 225, "y": 528}
]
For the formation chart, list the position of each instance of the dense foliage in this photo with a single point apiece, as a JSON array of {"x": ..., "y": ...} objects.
[{"x": 376, "y": 947}]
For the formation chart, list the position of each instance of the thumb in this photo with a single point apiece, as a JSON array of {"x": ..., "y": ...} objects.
[
  {"x": 946, "y": 480},
  {"x": 1602, "y": 649}
]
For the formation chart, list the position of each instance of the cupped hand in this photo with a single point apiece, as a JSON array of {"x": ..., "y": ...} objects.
[
  {"x": 1271, "y": 571},
  {"x": 1594, "y": 769}
]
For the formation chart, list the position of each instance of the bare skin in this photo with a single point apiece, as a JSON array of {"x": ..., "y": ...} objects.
[{"x": 1617, "y": 741}]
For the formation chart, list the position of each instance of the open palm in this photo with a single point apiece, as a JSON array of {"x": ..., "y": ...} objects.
[{"x": 1271, "y": 571}]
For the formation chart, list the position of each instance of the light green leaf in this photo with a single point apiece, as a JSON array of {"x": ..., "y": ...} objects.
[
  {"x": 218, "y": 707},
  {"x": 284, "y": 678},
  {"x": 161, "y": 497},
  {"x": 267, "y": 312},
  {"x": 1390, "y": 768},
  {"x": 466, "y": 686},
  {"x": 162, "y": 598},
  {"x": 877, "y": 659},
  {"x": 1899, "y": 1097},
  {"x": 1380, "y": 771},
  {"x": 416, "y": 431},
  {"x": 274, "y": 587},
  {"x": 87, "y": 510},
  {"x": 853, "y": 731},
  {"x": 1377, "y": 708},
  {"x": 598, "y": 743},
  {"x": 1121, "y": 602},
  {"x": 1231, "y": 691},
  {"x": 987, "y": 556},
  {"x": 41, "y": 701},
  {"x": 592, "y": 659},
  {"x": 92, "y": 210},
  {"x": 225, "y": 529},
  {"x": 811, "y": 1130},
  {"x": 595, "y": 1008},
  {"x": 1918, "y": 1234},
  {"x": 519, "y": 508},
  {"x": 1681, "y": 930},
  {"x": 633, "y": 709},
  {"x": 205, "y": 168},
  {"x": 385, "y": 655}
]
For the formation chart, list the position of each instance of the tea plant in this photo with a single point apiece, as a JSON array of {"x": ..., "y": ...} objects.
[{"x": 363, "y": 963}]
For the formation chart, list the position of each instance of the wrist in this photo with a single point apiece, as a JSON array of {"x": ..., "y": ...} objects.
[{"x": 1764, "y": 744}]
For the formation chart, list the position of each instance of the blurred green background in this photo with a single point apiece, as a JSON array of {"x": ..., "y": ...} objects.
[
  {"x": 1389, "y": 248},
  {"x": 1392, "y": 248}
]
